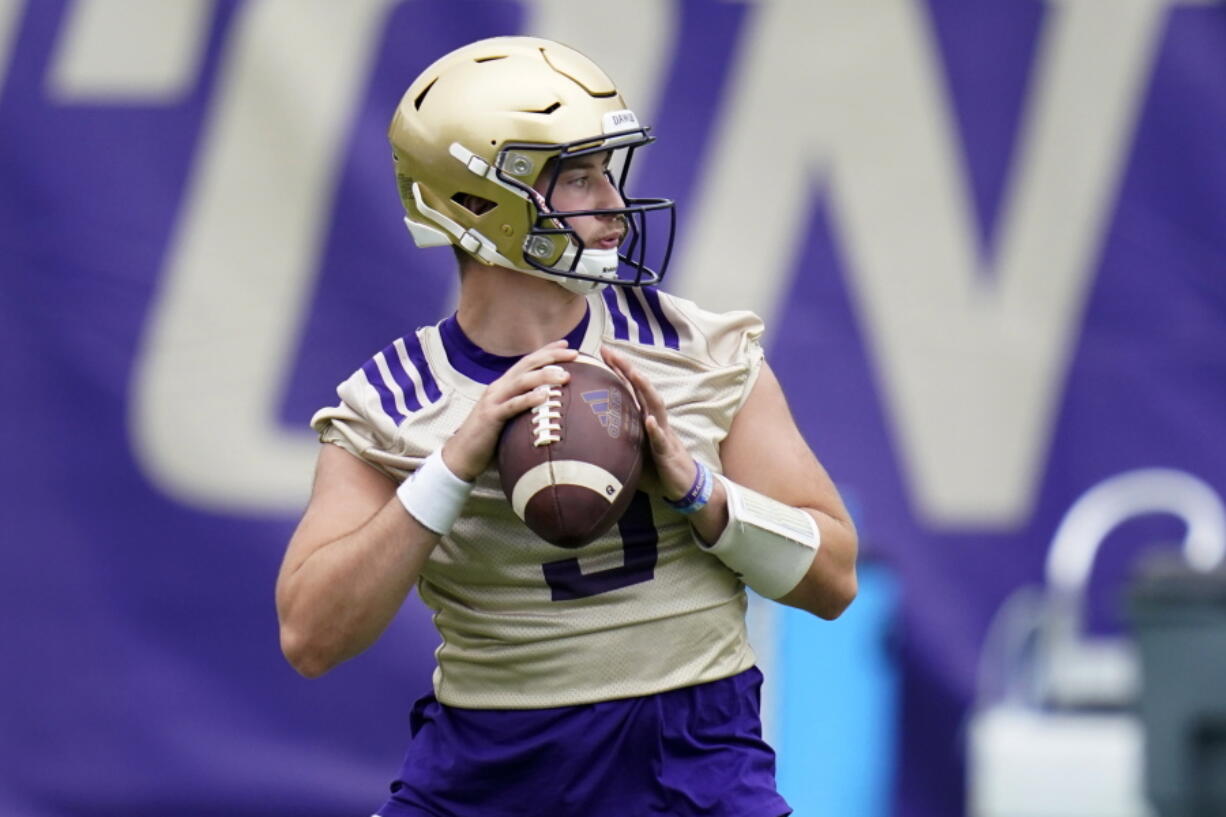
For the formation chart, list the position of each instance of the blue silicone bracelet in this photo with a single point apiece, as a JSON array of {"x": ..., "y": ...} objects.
[{"x": 699, "y": 494}]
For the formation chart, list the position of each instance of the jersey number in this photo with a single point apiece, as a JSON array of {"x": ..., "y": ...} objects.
[{"x": 639, "y": 540}]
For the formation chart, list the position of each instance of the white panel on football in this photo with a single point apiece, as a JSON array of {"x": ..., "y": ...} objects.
[
  {"x": 563, "y": 472},
  {"x": 132, "y": 50}
]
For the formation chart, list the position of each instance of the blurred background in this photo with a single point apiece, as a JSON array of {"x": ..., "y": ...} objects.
[{"x": 989, "y": 242}]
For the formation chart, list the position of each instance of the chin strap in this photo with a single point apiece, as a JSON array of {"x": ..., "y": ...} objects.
[{"x": 602, "y": 263}]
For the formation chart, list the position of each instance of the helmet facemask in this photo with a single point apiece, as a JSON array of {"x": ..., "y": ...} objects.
[{"x": 552, "y": 245}]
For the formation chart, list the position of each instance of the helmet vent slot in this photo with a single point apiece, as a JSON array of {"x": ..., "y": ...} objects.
[
  {"x": 490, "y": 59},
  {"x": 546, "y": 111},
  {"x": 474, "y": 204},
  {"x": 422, "y": 96}
]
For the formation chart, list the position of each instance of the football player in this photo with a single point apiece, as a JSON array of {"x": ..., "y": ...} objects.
[{"x": 612, "y": 681}]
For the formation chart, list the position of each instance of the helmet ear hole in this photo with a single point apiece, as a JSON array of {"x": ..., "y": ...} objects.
[{"x": 474, "y": 204}]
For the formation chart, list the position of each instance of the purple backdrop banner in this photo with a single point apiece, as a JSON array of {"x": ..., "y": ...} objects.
[{"x": 989, "y": 240}]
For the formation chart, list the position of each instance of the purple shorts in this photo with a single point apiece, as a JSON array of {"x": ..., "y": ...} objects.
[{"x": 690, "y": 752}]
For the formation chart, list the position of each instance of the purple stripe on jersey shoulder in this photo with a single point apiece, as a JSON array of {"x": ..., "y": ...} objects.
[
  {"x": 401, "y": 375},
  {"x": 473, "y": 362},
  {"x": 671, "y": 340},
  {"x": 412, "y": 345},
  {"x": 640, "y": 317},
  {"x": 375, "y": 378},
  {"x": 620, "y": 330}
]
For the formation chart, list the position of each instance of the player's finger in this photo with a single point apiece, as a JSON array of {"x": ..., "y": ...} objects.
[
  {"x": 548, "y": 375},
  {"x": 641, "y": 385},
  {"x": 674, "y": 464},
  {"x": 656, "y": 435},
  {"x": 526, "y": 372},
  {"x": 664, "y": 442},
  {"x": 618, "y": 363},
  {"x": 650, "y": 399},
  {"x": 613, "y": 359},
  {"x": 516, "y": 380},
  {"x": 556, "y": 352},
  {"x": 521, "y": 403}
]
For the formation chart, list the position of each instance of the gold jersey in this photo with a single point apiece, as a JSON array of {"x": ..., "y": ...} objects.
[{"x": 525, "y": 624}]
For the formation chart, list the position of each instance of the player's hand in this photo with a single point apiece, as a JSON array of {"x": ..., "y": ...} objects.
[
  {"x": 674, "y": 463},
  {"x": 471, "y": 448}
]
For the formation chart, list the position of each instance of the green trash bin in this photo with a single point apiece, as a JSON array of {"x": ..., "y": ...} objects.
[{"x": 1179, "y": 618}]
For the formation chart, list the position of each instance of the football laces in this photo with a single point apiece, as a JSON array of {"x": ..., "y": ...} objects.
[{"x": 546, "y": 417}]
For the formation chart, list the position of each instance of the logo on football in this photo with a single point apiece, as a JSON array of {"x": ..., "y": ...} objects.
[{"x": 571, "y": 465}]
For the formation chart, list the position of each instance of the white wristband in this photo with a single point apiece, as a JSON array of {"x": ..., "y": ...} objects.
[
  {"x": 433, "y": 495},
  {"x": 767, "y": 543}
]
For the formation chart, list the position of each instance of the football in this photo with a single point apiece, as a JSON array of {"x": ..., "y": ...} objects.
[{"x": 571, "y": 465}]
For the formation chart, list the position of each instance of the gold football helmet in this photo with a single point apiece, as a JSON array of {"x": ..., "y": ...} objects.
[{"x": 475, "y": 131}]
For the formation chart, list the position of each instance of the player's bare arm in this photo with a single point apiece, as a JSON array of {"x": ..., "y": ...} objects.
[
  {"x": 349, "y": 565},
  {"x": 357, "y": 552},
  {"x": 763, "y": 451}
]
